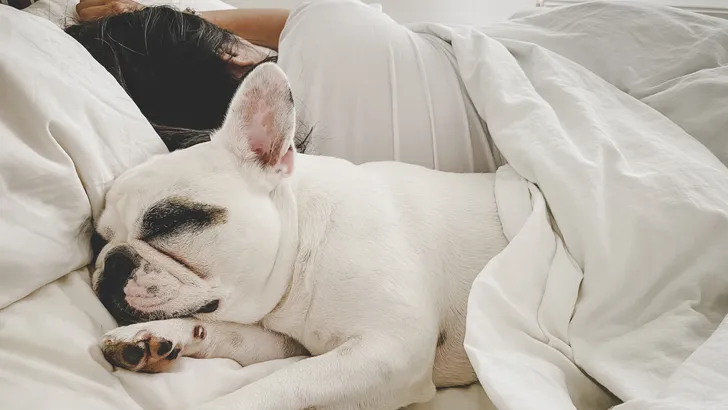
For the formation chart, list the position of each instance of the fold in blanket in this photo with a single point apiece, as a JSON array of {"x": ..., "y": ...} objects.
[{"x": 616, "y": 208}]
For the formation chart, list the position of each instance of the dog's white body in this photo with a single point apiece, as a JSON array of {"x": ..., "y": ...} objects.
[
  {"x": 388, "y": 246},
  {"x": 368, "y": 267}
]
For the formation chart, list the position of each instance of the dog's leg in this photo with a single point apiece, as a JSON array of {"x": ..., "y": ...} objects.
[
  {"x": 361, "y": 373},
  {"x": 151, "y": 347}
]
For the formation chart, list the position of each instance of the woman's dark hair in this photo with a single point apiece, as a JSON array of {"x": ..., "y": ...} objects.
[{"x": 172, "y": 65}]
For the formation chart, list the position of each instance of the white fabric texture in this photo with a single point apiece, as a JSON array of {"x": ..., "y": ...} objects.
[
  {"x": 617, "y": 214},
  {"x": 54, "y": 167},
  {"x": 700, "y": 383}
]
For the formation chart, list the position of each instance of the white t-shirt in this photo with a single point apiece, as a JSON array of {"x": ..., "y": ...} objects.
[{"x": 375, "y": 90}]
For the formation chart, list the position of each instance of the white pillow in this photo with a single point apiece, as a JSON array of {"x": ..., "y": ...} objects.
[{"x": 67, "y": 129}]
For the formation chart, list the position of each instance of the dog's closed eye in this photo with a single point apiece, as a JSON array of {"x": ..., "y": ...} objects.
[
  {"x": 176, "y": 215},
  {"x": 180, "y": 260}
]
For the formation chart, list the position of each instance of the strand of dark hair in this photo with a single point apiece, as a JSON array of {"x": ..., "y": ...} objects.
[
  {"x": 170, "y": 63},
  {"x": 175, "y": 138}
]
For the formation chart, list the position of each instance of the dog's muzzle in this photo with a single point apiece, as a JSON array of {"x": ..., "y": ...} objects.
[{"x": 120, "y": 266}]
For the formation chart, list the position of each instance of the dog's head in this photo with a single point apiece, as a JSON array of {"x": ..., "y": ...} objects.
[{"x": 200, "y": 230}]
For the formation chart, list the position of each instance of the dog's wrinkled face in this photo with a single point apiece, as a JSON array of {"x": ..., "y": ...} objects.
[{"x": 198, "y": 230}]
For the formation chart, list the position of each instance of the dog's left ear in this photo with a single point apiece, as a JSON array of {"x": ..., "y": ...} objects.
[{"x": 261, "y": 121}]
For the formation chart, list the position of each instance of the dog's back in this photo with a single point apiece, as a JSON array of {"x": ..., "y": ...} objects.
[
  {"x": 453, "y": 222},
  {"x": 441, "y": 227}
]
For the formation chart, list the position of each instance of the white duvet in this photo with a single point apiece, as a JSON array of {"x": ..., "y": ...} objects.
[
  {"x": 615, "y": 207},
  {"x": 616, "y": 211}
]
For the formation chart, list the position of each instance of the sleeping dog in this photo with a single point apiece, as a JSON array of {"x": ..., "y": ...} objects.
[{"x": 222, "y": 250}]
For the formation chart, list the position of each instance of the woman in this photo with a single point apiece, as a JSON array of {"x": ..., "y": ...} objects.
[
  {"x": 369, "y": 88},
  {"x": 180, "y": 69}
]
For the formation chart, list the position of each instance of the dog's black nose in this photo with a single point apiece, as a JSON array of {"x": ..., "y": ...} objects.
[{"x": 119, "y": 264}]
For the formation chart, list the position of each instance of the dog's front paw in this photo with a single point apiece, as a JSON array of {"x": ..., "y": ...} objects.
[{"x": 147, "y": 347}]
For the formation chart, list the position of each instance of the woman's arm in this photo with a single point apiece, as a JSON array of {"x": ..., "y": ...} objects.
[{"x": 261, "y": 27}]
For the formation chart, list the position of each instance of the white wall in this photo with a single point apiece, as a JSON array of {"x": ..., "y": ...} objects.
[
  {"x": 716, "y": 8},
  {"x": 676, "y": 3},
  {"x": 409, "y": 11}
]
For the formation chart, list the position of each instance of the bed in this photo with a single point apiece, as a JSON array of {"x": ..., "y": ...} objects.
[{"x": 591, "y": 129}]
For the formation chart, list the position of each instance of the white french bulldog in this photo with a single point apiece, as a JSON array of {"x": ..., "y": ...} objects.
[{"x": 230, "y": 253}]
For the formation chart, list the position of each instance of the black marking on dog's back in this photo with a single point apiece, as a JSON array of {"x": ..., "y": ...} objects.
[
  {"x": 442, "y": 338},
  {"x": 174, "y": 215}
]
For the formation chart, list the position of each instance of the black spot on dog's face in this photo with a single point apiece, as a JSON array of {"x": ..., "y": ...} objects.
[{"x": 178, "y": 215}]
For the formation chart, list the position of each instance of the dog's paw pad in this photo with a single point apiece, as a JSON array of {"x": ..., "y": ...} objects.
[
  {"x": 133, "y": 354},
  {"x": 146, "y": 353}
]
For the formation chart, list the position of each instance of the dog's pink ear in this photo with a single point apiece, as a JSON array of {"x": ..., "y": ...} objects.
[{"x": 261, "y": 121}]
